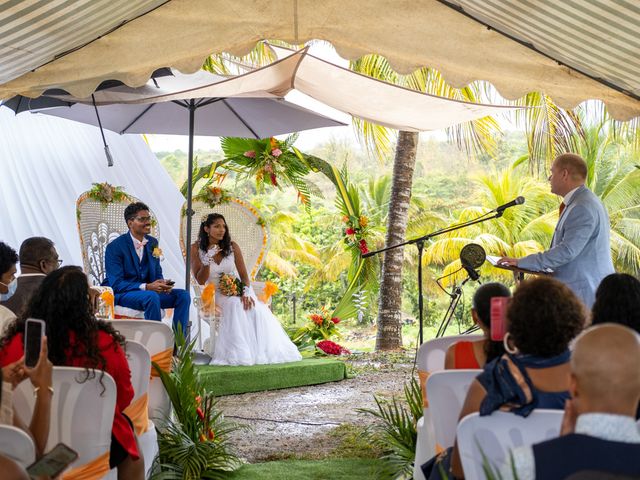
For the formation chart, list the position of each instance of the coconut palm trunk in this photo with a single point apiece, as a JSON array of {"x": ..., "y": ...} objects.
[{"x": 389, "y": 313}]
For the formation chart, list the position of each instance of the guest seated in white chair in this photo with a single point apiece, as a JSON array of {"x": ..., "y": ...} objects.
[
  {"x": 474, "y": 354},
  {"x": 249, "y": 333},
  {"x": 543, "y": 316},
  {"x": 599, "y": 431},
  {"x": 40, "y": 376},
  {"x": 77, "y": 339},
  {"x": 8, "y": 283}
]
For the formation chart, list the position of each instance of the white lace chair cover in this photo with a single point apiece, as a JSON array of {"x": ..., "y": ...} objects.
[
  {"x": 81, "y": 413},
  {"x": 98, "y": 225},
  {"x": 17, "y": 445}
]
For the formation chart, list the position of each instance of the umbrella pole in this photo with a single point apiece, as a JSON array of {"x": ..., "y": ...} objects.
[{"x": 189, "y": 212}]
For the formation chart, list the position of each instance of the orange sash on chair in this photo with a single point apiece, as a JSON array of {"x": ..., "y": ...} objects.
[
  {"x": 138, "y": 413},
  {"x": 163, "y": 360},
  {"x": 94, "y": 470},
  {"x": 423, "y": 375}
]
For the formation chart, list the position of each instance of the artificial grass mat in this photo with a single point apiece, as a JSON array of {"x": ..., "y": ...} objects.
[
  {"x": 330, "y": 469},
  {"x": 227, "y": 380}
]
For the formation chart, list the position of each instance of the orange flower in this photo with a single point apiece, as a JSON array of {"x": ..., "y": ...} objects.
[
  {"x": 317, "y": 319},
  {"x": 274, "y": 143},
  {"x": 364, "y": 221}
]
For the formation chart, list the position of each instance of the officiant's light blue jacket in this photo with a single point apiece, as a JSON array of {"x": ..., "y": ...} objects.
[{"x": 580, "y": 253}]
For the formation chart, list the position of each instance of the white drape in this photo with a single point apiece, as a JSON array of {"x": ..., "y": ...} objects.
[{"x": 47, "y": 162}]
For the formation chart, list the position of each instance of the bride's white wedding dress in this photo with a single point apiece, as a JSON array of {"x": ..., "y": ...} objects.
[{"x": 247, "y": 337}]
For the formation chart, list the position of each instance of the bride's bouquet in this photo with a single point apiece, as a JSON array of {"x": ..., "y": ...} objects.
[{"x": 230, "y": 285}]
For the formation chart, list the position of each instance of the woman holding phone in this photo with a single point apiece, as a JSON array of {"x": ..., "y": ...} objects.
[{"x": 76, "y": 338}]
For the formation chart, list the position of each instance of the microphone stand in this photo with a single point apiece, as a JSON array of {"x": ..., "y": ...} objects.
[
  {"x": 419, "y": 243},
  {"x": 455, "y": 299}
]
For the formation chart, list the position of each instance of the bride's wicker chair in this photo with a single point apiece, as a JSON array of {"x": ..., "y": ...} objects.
[
  {"x": 247, "y": 229},
  {"x": 99, "y": 223}
]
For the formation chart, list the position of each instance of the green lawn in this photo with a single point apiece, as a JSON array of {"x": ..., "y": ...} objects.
[{"x": 330, "y": 469}]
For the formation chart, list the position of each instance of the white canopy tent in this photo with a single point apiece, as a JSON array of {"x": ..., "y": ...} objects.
[
  {"x": 572, "y": 51},
  {"x": 48, "y": 162}
]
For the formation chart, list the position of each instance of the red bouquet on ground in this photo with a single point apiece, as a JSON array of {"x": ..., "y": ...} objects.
[{"x": 332, "y": 348}]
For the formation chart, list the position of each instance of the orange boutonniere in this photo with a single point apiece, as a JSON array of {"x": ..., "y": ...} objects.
[{"x": 157, "y": 253}]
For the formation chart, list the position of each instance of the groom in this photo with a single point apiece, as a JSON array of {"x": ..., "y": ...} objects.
[{"x": 132, "y": 264}]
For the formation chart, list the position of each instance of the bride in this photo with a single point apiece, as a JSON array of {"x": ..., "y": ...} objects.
[{"x": 248, "y": 332}]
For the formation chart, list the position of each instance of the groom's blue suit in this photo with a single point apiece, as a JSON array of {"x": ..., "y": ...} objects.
[
  {"x": 580, "y": 254},
  {"x": 126, "y": 273}
]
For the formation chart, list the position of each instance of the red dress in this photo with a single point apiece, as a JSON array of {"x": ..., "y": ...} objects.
[
  {"x": 116, "y": 366},
  {"x": 463, "y": 356}
]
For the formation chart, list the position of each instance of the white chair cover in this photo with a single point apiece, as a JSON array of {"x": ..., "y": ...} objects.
[
  {"x": 431, "y": 353},
  {"x": 17, "y": 445},
  {"x": 430, "y": 359},
  {"x": 447, "y": 392},
  {"x": 156, "y": 337},
  {"x": 81, "y": 413},
  {"x": 140, "y": 365},
  {"x": 499, "y": 433},
  {"x": 98, "y": 225}
]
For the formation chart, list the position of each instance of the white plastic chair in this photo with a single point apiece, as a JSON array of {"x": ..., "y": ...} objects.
[
  {"x": 140, "y": 366},
  {"x": 17, "y": 445},
  {"x": 156, "y": 337},
  {"x": 447, "y": 392},
  {"x": 430, "y": 359},
  {"x": 81, "y": 413},
  {"x": 499, "y": 433}
]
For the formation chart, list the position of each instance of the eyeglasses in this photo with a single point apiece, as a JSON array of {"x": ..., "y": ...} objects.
[{"x": 143, "y": 219}]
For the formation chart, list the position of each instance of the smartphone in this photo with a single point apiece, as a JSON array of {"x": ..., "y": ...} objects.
[
  {"x": 33, "y": 332},
  {"x": 54, "y": 462},
  {"x": 499, "y": 317},
  {"x": 170, "y": 282}
]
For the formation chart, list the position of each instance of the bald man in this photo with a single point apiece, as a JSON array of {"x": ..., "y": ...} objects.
[
  {"x": 599, "y": 431},
  {"x": 580, "y": 254}
]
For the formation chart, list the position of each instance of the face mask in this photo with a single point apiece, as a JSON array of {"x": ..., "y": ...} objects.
[{"x": 12, "y": 286}]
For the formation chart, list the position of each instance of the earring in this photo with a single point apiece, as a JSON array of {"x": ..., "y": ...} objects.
[{"x": 513, "y": 350}]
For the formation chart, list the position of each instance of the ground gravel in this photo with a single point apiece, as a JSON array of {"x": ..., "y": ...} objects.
[{"x": 301, "y": 422}]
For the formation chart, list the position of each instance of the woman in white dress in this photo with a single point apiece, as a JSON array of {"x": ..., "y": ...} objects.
[{"x": 248, "y": 333}]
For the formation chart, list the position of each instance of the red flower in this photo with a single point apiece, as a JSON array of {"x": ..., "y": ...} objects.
[
  {"x": 362, "y": 245},
  {"x": 274, "y": 182},
  {"x": 332, "y": 348},
  {"x": 335, "y": 320},
  {"x": 211, "y": 434},
  {"x": 350, "y": 231},
  {"x": 200, "y": 413},
  {"x": 317, "y": 319}
]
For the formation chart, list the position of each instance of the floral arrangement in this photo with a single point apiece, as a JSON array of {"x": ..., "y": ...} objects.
[
  {"x": 322, "y": 326},
  {"x": 106, "y": 193},
  {"x": 331, "y": 348},
  {"x": 107, "y": 303},
  {"x": 208, "y": 299},
  {"x": 230, "y": 285},
  {"x": 271, "y": 162},
  {"x": 270, "y": 289},
  {"x": 355, "y": 232},
  {"x": 213, "y": 195}
]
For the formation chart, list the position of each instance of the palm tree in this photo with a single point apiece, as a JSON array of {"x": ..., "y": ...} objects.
[
  {"x": 520, "y": 231},
  {"x": 613, "y": 166},
  {"x": 475, "y": 136}
]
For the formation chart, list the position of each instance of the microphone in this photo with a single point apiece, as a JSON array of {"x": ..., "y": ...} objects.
[
  {"x": 512, "y": 203},
  {"x": 472, "y": 256}
]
